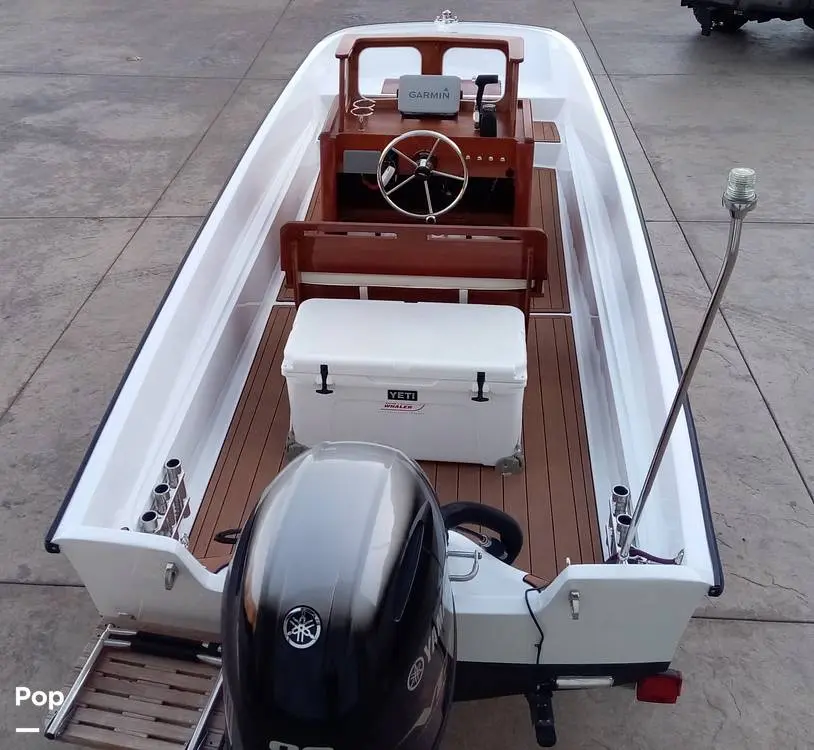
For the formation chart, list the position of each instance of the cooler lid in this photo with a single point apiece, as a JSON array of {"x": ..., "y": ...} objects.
[{"x": 427, "y": 340}]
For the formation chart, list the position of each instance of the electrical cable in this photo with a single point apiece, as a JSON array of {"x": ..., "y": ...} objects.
[{"x": 538, "y": 646}]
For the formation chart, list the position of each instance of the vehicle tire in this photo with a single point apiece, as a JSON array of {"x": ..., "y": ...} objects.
[{"x": 722, "y": 20}]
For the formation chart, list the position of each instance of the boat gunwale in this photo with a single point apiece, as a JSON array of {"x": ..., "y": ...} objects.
[
  {"x": 51, "y": 546},
  {"x": 717, "y": 588},
  {"x": 717, "y": 569}
]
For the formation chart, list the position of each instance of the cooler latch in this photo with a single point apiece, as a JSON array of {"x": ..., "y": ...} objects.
[
  {"x": 323, "y": 374},
  {"x": 480, "y": 383}
]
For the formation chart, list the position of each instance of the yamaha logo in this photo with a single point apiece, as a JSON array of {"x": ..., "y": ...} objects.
[
  {"x": 416, "y": 673},
  {"x": 302, "y": 627}
]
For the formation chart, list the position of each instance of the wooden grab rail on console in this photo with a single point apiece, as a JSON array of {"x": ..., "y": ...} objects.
[
  {"x": 501, "y": 265},
  {"x": 432, "y": 49},
  {"x": 511, "y": 46}
]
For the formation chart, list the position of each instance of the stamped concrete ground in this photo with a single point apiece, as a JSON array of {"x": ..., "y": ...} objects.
[{"x": 119, "y": 122}]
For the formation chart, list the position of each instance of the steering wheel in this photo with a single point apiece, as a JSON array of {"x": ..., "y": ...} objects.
[
  {"x": 509, "y": 541},
  {"x": 423, "y": 168}
]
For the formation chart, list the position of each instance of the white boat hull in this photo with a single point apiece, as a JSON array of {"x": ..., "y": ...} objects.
[{"x": 184, "y": 384}]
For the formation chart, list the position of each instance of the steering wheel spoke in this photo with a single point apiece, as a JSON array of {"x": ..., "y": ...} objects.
[
  {"x": 400, "y": 185},
  {"x": 403, "y": 156},
  {"x": 423, "y": 168},
  {"x": 429, "y": 200},
  {"x": 447, "y": 175}
]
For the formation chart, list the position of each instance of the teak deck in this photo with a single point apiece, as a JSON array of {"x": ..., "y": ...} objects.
[{"x": 553, "y": 499}]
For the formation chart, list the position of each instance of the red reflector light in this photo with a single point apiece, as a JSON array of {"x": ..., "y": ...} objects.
[{"x": 659, "y": 688}]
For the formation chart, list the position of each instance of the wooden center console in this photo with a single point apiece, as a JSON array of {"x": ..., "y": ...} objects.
[{"x": 499, "y": 165}]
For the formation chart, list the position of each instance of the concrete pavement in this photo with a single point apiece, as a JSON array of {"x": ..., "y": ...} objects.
[{"x": 119, "y": 123}]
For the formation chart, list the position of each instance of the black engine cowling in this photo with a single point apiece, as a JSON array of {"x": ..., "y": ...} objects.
[{"x": 338, "y": 620}]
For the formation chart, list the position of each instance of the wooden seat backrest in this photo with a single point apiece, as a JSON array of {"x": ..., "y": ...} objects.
[{"x": 414, "y": 262}]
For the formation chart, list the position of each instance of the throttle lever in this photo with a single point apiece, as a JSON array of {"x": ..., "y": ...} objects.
[{"x": 481, "y": 82}]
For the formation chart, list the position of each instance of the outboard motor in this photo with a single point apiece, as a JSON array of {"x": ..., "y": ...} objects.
[{"x": 337, "y": 619}]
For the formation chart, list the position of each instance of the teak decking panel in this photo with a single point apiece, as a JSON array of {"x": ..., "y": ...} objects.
[
  {"x": 553, "y": 499},
  {"x": 135, "y": 701},
  {"x": 545, "y": 213},
  {"x": 545, "y": 132}
]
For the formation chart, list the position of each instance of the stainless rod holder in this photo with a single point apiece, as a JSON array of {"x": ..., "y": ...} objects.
[
  {"x": 621, "y": 499},
  {"x": 172, "y": 472},
  {"x": 148, "y": 523},
  {"x": 161, "y": 498},
  {"x": 623, "y": 522},
  {"x": 739, "y": 199}
]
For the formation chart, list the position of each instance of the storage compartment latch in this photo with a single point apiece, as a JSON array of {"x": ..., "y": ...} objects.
[
  {"x": 480, "y": 382},
  {"x": 323, "y": 374}
]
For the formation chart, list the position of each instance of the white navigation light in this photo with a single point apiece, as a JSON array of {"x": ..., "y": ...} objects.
[{"x": 740, "y": 186}]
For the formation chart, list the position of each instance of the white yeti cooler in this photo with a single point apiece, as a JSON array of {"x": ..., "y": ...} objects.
[{"x": 441, "y": 382}]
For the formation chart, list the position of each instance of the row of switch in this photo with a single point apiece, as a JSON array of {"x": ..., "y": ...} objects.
[{"x": 488, "y": 158}]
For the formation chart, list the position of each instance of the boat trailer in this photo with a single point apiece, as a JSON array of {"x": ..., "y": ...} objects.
[{"x": 137, "y": 690}]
